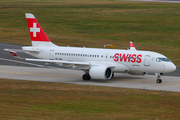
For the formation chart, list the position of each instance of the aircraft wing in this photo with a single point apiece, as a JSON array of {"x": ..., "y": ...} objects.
[
  {"x": 71, "y": 64},
  {"x": 58, "y": 61}
]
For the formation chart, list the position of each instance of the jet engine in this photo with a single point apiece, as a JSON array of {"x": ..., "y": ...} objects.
[
  {"x": 138, "y": 73},
  {"x": 100, "y": 72}
]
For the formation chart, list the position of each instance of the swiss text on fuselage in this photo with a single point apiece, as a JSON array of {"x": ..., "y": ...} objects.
[{"x": 127, "y": 57}]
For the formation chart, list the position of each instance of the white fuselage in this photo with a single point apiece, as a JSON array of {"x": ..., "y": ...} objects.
[{"x": 123, "y": 60}]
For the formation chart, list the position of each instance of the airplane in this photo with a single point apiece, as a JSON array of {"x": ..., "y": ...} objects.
[{"x": 97, "y": 63}]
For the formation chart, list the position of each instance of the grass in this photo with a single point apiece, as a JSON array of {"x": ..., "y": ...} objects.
[
  {"x": 42, "y": 100},
  {"x": 91, "y": 23},
  {"x": 151, "y": 26}
]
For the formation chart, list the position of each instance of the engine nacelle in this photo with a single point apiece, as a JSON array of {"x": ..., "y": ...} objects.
[
  {"x": 138, "y": 73},
  {"x": 100, "y": 72}
]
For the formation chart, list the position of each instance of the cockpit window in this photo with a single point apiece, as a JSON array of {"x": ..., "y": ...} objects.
[
  {"x": 158, "y": 59},
  {"x": 162, "y": 59},
  {"x": 166, "y": 59}
]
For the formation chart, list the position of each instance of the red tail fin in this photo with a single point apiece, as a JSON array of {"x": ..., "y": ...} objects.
[{"x": 37, "y": 34}]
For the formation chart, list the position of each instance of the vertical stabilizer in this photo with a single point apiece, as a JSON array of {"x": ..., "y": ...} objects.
[
  {"x": 38, "y": 36},
  {"x": 132, "y": 46}
]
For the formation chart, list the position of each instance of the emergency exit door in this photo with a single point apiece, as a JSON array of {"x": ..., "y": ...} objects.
[
  {"x": 51, "y": 54},
  {"x": 147, "y": 60}
]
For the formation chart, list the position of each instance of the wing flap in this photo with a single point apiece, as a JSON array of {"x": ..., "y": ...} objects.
[{"x": 60, "y": 62}]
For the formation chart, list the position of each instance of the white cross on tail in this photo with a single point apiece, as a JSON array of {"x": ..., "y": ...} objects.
[{"x": 34, "y": 29}]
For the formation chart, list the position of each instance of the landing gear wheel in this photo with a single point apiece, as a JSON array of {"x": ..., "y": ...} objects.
[
  {"x": 86, "y": 77},
  {"x": 159, "y": 81},
  {"x": 158, "y": 77}
]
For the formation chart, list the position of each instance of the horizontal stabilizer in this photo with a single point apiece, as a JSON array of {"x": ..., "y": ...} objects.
[{"x": 24, "y": 50}]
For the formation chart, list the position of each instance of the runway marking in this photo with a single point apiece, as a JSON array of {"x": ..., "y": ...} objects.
[
  {"x": 149, "y": 82},
  {"x": 38, "y": 74},
  {"x": 136, "y": 81},
  {"x": 80, "y": 77}
]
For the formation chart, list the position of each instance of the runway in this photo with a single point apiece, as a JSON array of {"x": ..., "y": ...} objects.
[
  {"x": 12, "y": 68},
  {"x": 169, "y": 83}
]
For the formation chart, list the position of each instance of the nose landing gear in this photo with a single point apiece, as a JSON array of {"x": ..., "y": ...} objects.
[{"x": 158, "y": 78}]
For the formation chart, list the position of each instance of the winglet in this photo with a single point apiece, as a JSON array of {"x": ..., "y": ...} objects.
[
  {"x": 132, "y": 46},
  {"x": 15, "y": 55}
]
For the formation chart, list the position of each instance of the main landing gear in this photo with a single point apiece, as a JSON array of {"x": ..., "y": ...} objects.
[
  {"x": 158, "y": 77},
  {"x": 86, "y": 77}
]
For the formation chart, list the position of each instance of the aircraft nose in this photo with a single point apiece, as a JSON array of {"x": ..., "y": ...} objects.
[
  {"x": 173, "y": 67},
  {"x": 170, "y": 67}
]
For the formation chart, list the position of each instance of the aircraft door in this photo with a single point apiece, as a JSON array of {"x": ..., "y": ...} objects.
[
  {"x": 51, "y": 54},
  {"x": 147, "y": 60}
]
